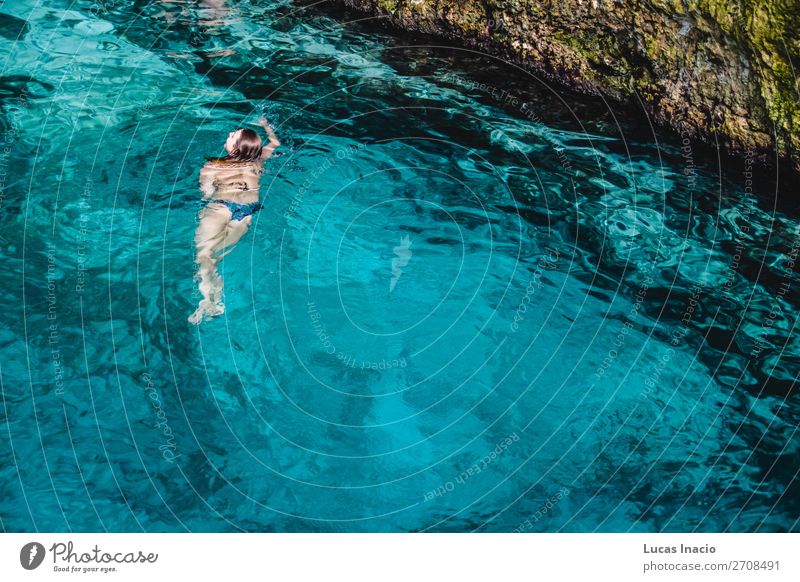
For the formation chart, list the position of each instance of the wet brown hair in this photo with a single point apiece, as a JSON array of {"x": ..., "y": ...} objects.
[{"x": 247, "y": 147}]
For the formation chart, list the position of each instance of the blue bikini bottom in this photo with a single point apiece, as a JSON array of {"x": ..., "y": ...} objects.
[{"x": 241, "y": 211}]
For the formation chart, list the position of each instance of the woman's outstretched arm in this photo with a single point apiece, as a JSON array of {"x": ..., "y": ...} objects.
[{"x": 267, "y": 150}]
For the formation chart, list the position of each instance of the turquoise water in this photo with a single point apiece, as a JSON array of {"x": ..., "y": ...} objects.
[{"x": 471, "y": 302}]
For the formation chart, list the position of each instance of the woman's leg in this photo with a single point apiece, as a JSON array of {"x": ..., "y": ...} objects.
[
  {"x": 235, "y": 230},
  {"x": 209, "y": 238}
]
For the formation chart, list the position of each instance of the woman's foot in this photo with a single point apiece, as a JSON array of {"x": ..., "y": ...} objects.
[{"x": 206, "y": 310}]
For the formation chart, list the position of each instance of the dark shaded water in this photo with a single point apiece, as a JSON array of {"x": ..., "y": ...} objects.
[{"x": 472, "y": 302}]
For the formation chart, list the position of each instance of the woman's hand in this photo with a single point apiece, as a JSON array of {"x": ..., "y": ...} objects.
[{"x": 274, "y": 142}]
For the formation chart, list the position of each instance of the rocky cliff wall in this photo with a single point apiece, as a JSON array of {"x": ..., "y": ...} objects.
[{"x": 721, "y": 71}]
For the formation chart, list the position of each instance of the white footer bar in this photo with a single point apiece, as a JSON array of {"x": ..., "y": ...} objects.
[{"x": 400, "y": 557}]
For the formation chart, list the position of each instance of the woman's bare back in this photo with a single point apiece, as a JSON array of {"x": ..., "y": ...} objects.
[{"x": 234, "y": 181}]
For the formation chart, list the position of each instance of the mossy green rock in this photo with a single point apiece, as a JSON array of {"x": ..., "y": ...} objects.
[{"x": 719, "y": 70}]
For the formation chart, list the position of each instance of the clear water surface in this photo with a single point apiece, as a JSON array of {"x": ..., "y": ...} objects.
[{"x": 472, "y": 301}]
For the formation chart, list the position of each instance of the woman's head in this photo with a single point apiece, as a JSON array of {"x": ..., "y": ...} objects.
[{"x": 243, "y": 145}]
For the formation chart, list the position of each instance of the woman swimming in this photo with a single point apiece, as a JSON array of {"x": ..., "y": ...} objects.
[{"x": 230, "y": 188}]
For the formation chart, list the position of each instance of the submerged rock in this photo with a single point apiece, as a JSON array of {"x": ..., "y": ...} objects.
[{"x": 716, "y": 70}]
